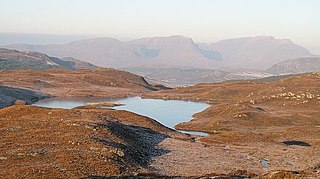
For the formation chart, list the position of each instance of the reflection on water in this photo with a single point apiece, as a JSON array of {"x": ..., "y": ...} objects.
[{"x": 167, "y": 112}]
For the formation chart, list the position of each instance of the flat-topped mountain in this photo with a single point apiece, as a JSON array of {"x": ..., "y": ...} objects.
[
  {"x": 13, "y": 59},
  {"x": 177, "y": 51}
]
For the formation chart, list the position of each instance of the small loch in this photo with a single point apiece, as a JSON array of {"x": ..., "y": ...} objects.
[{"x": 167, "y": 112}]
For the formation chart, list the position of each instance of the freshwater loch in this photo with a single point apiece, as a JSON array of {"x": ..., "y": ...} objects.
[{"x": 167, "y": 112}]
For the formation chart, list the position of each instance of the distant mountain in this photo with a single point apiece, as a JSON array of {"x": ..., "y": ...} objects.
[
  {"x": 256, "y": 52},
  {"x": 177, "y": 51},
  {"x": 173, "y": 51},
  {"x": 296, "y": 66},
  {"x": 13, "y": 59}
]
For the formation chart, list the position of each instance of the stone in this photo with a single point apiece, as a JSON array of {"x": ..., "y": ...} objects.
[{"x": 20, "y": 102}]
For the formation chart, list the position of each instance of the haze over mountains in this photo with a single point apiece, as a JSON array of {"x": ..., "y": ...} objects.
[
  {"x": 259, "y": 52},
  {"x": 36, "y": 38}
]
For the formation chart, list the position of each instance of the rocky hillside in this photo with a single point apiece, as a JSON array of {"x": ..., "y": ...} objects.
[
  {"x": 296, "y": 66},
  {"x": 13, "y": 59},
  {"x": 177, "y": 51}
]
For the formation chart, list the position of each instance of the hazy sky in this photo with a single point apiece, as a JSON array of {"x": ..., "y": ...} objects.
[{"x": 203, "y": 20}]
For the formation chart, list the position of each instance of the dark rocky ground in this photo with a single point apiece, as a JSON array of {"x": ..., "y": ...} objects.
[{"x": 9, "y": 95}]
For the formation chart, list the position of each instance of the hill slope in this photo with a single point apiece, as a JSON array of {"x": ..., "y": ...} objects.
[
  {"x": 85, "y": 83},
  {"x": 13, "y": 59}
]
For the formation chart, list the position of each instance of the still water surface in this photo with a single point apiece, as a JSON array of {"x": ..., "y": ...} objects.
[{"x": 167, "y": 112}]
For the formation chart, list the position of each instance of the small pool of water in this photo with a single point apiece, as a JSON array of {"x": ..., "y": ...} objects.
[
  {"x": 167, "y": 112},
  {"x": 265, "y": 163}
]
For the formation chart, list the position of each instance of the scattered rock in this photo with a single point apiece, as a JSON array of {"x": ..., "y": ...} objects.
[
  {"x": 3, "y": 158},
  {"x": 104, "y": 104},
  {"x": 20, "y": 102},
  {"x": 296, "y": 142}
]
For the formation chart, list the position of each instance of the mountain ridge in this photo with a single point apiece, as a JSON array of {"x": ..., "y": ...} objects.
[{"x": 259, "y": 52}]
